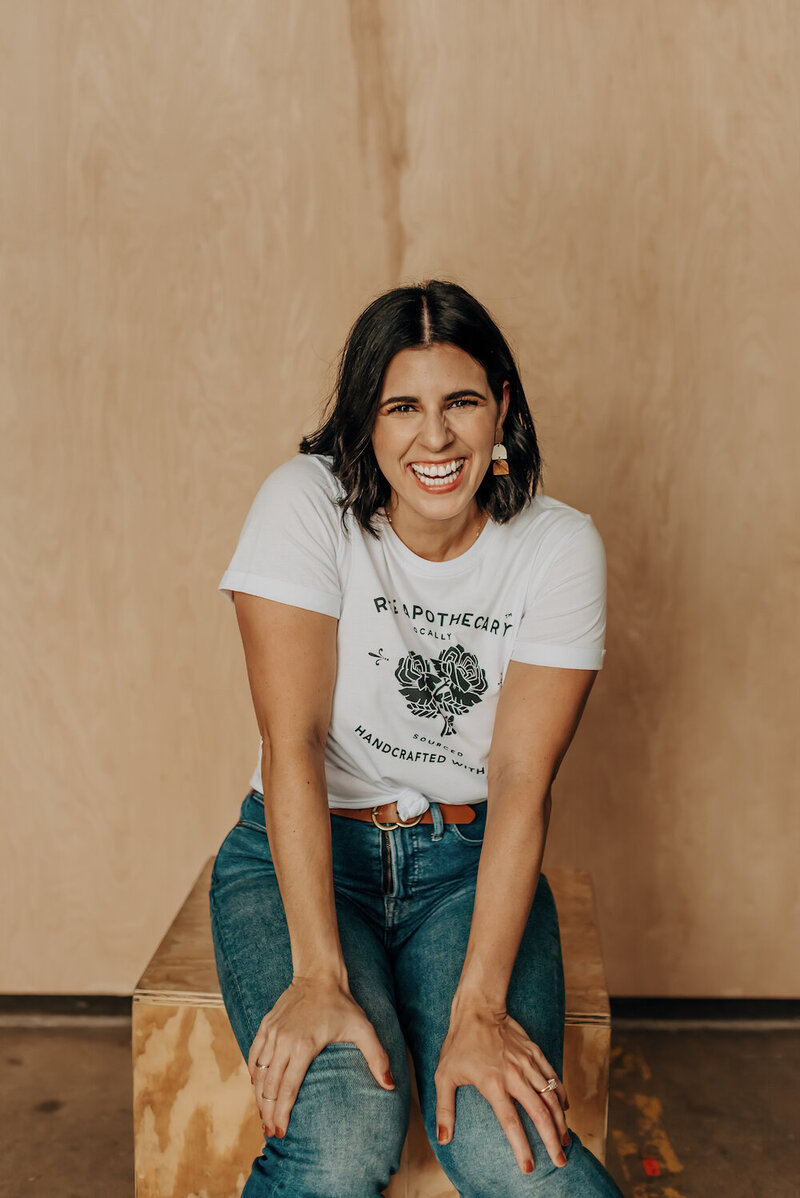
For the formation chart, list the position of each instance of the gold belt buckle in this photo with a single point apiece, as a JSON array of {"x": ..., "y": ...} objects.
[{"x": 410, "y": 823}]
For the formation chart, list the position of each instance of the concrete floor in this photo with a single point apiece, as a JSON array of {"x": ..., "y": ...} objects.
[{"x": 709, "y": 1112}]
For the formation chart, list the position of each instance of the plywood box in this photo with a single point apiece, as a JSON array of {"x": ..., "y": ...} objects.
[{"x": 196, "y": 1126}]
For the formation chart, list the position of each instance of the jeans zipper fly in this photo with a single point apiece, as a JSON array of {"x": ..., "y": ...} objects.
[{"x": 388, "y": 883}]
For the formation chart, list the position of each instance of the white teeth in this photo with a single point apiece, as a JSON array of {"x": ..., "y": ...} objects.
[{"x": 446, "y": 471}]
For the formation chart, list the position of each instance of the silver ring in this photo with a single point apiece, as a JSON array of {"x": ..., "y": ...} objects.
[
  {"x": 551, "y": 1085},
  {"x": 260, "y": 1066}
]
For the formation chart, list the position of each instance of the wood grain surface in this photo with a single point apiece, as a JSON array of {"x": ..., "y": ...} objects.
[{"x": 197, "y": 200}]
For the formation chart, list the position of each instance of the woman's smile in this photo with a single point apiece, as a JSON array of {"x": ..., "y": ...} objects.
[{"x": 438, "y": 476}]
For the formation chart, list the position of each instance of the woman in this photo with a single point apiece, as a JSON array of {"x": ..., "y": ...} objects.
[{"x": 421, "y": 632}]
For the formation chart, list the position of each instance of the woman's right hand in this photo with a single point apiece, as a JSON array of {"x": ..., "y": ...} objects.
[{"x": 310, "y": 1014}]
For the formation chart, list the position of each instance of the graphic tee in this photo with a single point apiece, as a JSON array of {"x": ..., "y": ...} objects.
[{"x": 423, "y": 646}]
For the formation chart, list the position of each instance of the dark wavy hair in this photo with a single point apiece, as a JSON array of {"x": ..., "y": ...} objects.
[{"x": 406, "y": 318}]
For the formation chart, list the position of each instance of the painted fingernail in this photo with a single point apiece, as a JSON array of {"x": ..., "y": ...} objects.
[
  {"x": 527, "y": 1166},
  {"x": 565, "y": 1139},
  {"x": 387, "y": 1078},
  {"x": 441, "y": 1133},
  {"x": 280, "y": 1133},
  {"x": 561, "y": 1159},
  {"x": 252, "y": 1081}
]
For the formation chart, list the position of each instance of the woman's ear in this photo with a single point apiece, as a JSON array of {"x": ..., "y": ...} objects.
[{"x": 503, "y": 408}]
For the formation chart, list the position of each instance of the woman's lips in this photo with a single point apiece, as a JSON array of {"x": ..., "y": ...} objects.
[{"x": 438, "y": 484}]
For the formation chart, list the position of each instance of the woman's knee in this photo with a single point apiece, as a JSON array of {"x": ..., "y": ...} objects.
[
  {"x": 479, "y": 1159},
  {"x": 345, "y": 1133}
]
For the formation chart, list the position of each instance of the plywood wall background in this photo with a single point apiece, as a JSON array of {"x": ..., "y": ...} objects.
[{"x": 197, "y": 200}]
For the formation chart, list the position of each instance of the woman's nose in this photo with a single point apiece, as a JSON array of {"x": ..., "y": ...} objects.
[{"x": 435, "y": 431}]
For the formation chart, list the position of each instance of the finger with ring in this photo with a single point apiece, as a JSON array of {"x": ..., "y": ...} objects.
[
  {"x": 546, "y": 1113},
  {"x": 550, "y": 1079},
  {"x": 549, "y": 1096},
  {"x": 266, "y": 1102}
]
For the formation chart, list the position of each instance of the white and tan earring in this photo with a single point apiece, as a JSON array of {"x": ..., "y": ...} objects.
[{"x": 499, "y": 457}]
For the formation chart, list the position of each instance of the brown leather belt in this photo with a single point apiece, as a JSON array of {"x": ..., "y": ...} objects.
[{"x": 385, "y": 816}]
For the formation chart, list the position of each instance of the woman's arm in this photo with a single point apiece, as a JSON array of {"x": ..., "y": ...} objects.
[
  {"x": 538, "y": 711},
  {"x": 291, "y": 666}
]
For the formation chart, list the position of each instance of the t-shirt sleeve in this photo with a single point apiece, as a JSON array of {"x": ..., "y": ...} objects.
[
  {"x": 564, "y": 619},
  {"x": 289, "y": 544}
]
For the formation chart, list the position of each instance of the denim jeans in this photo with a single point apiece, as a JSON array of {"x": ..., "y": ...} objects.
[{"x": 404, "y": 902}]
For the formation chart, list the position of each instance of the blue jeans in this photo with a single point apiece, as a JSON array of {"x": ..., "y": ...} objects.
[{"x": 404, "y": 903}]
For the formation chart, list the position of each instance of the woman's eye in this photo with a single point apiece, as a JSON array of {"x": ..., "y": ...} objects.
[{"x": 410, "y": 407}]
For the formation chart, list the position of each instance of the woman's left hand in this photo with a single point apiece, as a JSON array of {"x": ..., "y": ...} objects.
[{"x": 488, "y": 1049}]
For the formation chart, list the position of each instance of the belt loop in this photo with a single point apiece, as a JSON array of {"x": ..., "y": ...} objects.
[{"x": 438, "y": 821}]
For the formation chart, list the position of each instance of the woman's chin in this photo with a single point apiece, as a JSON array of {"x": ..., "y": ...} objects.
[{"x": 436, "y": 507}]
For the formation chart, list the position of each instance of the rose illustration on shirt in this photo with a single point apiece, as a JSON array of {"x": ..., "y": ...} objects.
[
  {"x": 445, "y": 686},
  {"x": 463, "y": 673},
  {"x": 417, "y": 683}
]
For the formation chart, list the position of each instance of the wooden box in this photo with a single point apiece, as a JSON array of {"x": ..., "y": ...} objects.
[{"x": 196, "y": 1127}]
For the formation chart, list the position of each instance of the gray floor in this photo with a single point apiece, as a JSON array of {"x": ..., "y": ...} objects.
[{"x": 694, "y": 1112}]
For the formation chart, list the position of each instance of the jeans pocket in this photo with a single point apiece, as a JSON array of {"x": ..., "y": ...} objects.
[
  {"x": 250, "y": 823},
  {"x": 251, "y": 814},
  {"x": 475, "y": 839},
  {"x": 220, "y": 858},
  {"x": 245, "y": 841}
]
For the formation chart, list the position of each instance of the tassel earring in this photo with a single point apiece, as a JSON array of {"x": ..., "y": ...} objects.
[{"x": 499, "y": 459}]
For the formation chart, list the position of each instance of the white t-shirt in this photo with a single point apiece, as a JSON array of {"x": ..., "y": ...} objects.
[{"x": 422, "y": 646}]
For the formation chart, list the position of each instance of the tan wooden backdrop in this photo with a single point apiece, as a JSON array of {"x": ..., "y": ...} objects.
[{"x": 197, "y": 199}]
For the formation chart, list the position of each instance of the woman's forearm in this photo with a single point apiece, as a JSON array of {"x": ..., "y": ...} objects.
[
  {"x": 299, "y": 830},
  {"x": 508, "y": 874}
]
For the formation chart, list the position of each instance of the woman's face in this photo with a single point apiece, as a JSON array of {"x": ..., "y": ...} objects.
[{"x": 435, "y": 429}]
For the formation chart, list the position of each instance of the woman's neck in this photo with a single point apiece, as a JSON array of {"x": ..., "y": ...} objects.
[{"x": 437, "y": 540}]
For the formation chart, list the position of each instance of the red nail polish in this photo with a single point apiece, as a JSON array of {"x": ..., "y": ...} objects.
[
  {"x": 561, "y": 1159},
  {"x": 280, "y": 1133},
  {"x": 527, "y": 1166},
  {"x": 388, "y": 1079},
  {"x": 565, "y": 1139}
]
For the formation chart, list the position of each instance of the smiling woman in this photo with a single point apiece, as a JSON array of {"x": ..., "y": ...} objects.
[{"x": 421, "y": 635}]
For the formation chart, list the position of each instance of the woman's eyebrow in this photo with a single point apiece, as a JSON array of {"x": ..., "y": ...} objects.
[{"x": 449, "y": 396}]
